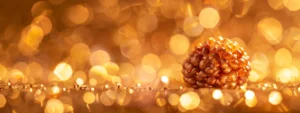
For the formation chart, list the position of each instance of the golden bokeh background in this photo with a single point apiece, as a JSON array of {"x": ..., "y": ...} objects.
[{"x": 139, "y": 43}]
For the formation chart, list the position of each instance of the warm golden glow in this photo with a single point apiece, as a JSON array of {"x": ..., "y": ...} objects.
[
  {"x": 54, "y": 106},
  {"x": 209, "y": 17},
  {"x": 173, "y": 99},
  {"x": 89, "y": 97},
  {"x": 179, "y": 44},
  {"x": 271, "y": 29},
  {"x": 189, "y": 100},
  {"x": 145, "y": 74},
  {"x": 275, "y": 97},
  {"x": 191, "y": 26},
  {"x": 276, "y": 4},
  {"x": 217, "y": 94},
  {"x": 55, "y": 90},
  {"x": 249, "y": 95},
  {"x": 164, "y": 79},
  {"x": 292, "y": 5},
  {"x": 123, "y": 98},
  {"x": 283, "y": 57},
  {"x": 63, "y": 71},
  {"x": 79, "y": 81},
  {"x": 77, "y": 14},
  {"x": 151, "y": 60},
  {"x": 112, "y": 68},
  {"x": 99, "y": 73},
  {"x": 99, "y": 57},
  {"x": 147, "y": 23},
  {"x": 2, "y": 101},
  {"x": 161, "y": 102},
  {"x": 251, "y": 102},
  {"x": 285, "y": 75}
]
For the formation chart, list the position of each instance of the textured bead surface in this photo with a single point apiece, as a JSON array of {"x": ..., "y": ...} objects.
[{"x": 218, "y": 63}]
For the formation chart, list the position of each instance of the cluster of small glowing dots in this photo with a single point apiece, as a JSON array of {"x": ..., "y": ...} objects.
[
  {"x": 275, "y": 98},
  {"x": 189, "y": 100},
  {"x": 217, "y": 94},
  {"x": 89, "y": 97},
  {"x": 165, "y": 79},
  {"x": 79, "y": 81},
  {"x": 292, "y": 5},
  {"x": 271, "y": 29},
  {"x": 63, "y": 71},
  {"x": 179, "y": 44},
  {"x": 209, "y": 17},
  {"x": 54, "y": 106},
  {"x": 249, "y": 95},
  {"x": 55, "y": 89}
]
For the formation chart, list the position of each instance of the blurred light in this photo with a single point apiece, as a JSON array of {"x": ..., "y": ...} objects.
[
  {"x": 92, "y": 89},
  {"x": 189, "y": 100},
  {"x": 54, "y": 106},
  {"x": 99, "y": 73},
  {"x": 217, "y": 94},
  {"x": 249, "y": 95},
  {"x": 130, "y": 48},
  {"x": 147, "y": 23},
  {"x": 77, "y": 14},
  {"x": 292, "y": 5},
  {"x": 35, "y": 70},
  {"x": 154, "y": 2},
  {"x": 31, "y": 38},
  {"x": 276, "y": 4},
  {"x": 173, "y": 99},
  {"x": 151, "y": 60},
  {"x": 106, "y": 86},
  {"x": 275, "y": 98},
  {"x": 15, "y": 76},
  {"x": 79, "y": 75},
  {"x": 112, "y": 68},
  {"x": 79, "y": 81},
  {"x": 130, "y": 91},
  {"x": 89, "y": 97},
  {"x": 254, "y": 77},
  {"x": 80, "y": 52},
  {"x": 138, "y": 85},
  {"x": 271, "y": 29},
  {"x": 179, "y": 44},
  {"x": 99, "y": 57},
  {"x": 108, "y": 3},
  {"x": 93, "y": 82},
  {"x": 106, "y": 100},
  {"x": 63, "y": 71},
  {"x": 161, "y": 102},
  {"x": 2, "y": 101},
  {"x": 191, "y": 26},
  {"x": 40, "y": 8},
  {"x": 165, "y": 79},
  {"x": 56, "y": 2},
  {"x": 64, "y": 89},
  {"x": 39, "y": 96},
  {"x": 251, "y": 102},
  {"x": 209, "y": 17},
  {"x": 144, "y": 74},
  {"x": 283, "y": 57},
  {"x": 284, "y": 75},
  {"x": 55, "y": 90}
]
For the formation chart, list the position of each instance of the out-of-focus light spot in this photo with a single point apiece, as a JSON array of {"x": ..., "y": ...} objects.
[
  {"x": 44, "y": 23},
  {"x": 35, "y": 70},
  {"x": 164, "y": 79},
  {"x": 145, "y": 74},
  {"x": 3, "y": 72},
  {"x": 292, "y": 5},
  {"x": 2, "y": 101},
  {"x": 89, "y": 97},
  {"x": 151, "y": 60},
  {"x": 99, "y": 57},
  {"x": 191, "y": 26},
  {"x": 173, "y": 99},
  {"x": 80, "y": 52},
  {"x": 130, "y": 91},
  {"x": 55, "y": 90},
  {"x": 31, "y": 38},
  {"x": 284, "y": 75},
  {"x": 254, "y": 77},
  {"x": 275, "y": 97},
  {"x": 99, "y": 73},
  {"x": 147, "y": 23},
  {"x": 112, "y": 68},
  {"x": 249, "y": 95},
  {"x": 39, "y": 96},
  {"x": 16, "y": 76},
  {"x": 189, "y": 100},
  {"x": 154, "y": 2},
  {"x": 93, "y": 82},
  {"x": 63, "y": 71},
  {"x": 161, "y": 102},
  {"x": 116, "y": 80},
  {"x": 179, "y": 44},
  {"x": 78, "y": 14},
  {"x": 276, "y": 4},
  {"x": 79, "y": 81},
  {"x": 251, "y": 102},
  {"x": 209, "y": 17},
  {"x": 130, "y": 48},
  {"x": 217, "y": 94},
  {"x": 123, "y": 98},
  {"x": 226, "y": 99},
  {"x": 271, "y": 29},
  {"x": 54, "y": 106},
  {"x": 40, "y": 7},
  {"x": 283, "y": 57},
  {"x": 106, "y": 86},
  {"x": 138, "y": 85},
  {"x": 106, "y": 99}
]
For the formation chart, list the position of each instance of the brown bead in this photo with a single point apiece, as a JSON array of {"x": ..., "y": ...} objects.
[
  {"x": 200, "y": 84},
  {"x": 216, "y": 56},
  {"x": 239, "y": 53},
  {"x": 209, "y": 70},
  {"x": 242, "y": 62},
  {"x": 195, "y": 60},
  {"x": 221, "y": 50},
  {"x": 188, "y": 66},
  {"x": 211, "y": 80},
  {"x": 202, "y": 74},
  {"x": 185, "y": 73},
  {"x": 190, "y": 80},
  {"x": 234, "y": 64},
  {"x": 227, "y": 55},
  {"x": 232, "y": 77},
  {"x": 223, "y": 79},
  {"x": 194, "y": 71},
  {"x": 225, "y": 86},
  {"x": 226, "y": 70},
  {"x": 199, "y": 78},
  {"x": 202, "y": 64},
  {"x": 218, "y": 83},
  {"x": 205, "y": 51}
]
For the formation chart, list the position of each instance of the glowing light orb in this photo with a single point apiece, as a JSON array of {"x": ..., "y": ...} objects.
[
  {"x": 165, "y": 79},
  {"x": 271, "y": 29},
  {"x": 99, "y": 57},
  {"x": 63, "y": 71},
  {"x": 173, "y": 99},
  {"x": 179, "y": 44},
  {"x": 249, "y": 95},
  {"x": 192, "y": 27},
  {"x": 2, "y": 101},
  {"x": 54, "y": 106},
  {"x": 89, "y": 97},
  {"x": 217, "y": 94},
  {"x": 209, "y": 17},
  {"x": 275, "y": 98},
  {"x": 283, "y": 57},
  {"x": 189, "y": 100},
  {"x": 292, "y": 5}
]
